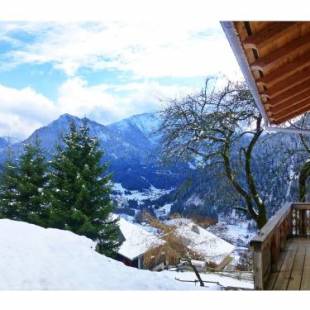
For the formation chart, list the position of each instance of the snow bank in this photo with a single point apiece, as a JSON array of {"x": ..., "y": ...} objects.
[{"x": 34, "y": 258}]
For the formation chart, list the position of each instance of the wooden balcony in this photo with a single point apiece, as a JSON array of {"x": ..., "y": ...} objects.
[{"x": 281, "y": 250}]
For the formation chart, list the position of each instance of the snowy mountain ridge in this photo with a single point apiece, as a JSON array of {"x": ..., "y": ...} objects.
[
  {"x": 133, "y": 150},
  {"x": 123, "y": 139}
]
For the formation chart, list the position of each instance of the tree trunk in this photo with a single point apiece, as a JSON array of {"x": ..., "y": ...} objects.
[
  {"x": 262, "y": 217},
  {"x": 196, "y": 272},
  {"x": 250, "y": 196},
  {"x": 303, "y": 176},
  {"x": 230, "y": 175},
  {"x": 260, "y": 206}
]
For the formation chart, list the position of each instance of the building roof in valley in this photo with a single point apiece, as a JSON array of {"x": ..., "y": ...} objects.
[
  {"x": 275, "y": 60},
  {"x": 210, "y": 247},
  {"x": 137, "y": 240}
]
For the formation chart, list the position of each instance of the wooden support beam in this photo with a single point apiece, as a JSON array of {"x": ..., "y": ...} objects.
[
  {"x": 291, "y": 81},
  {"x": 268, "y": 35},
  {"x": 285, "y": 117},
  {"x": 266, "y": 62},
  {"x": 265, "y": 96},
  {"x": 285, "y": 71},
  {"x": 290, "y": 93}
]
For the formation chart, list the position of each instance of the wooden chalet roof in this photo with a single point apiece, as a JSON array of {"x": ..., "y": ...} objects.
[{"x": 275, "y": 60}]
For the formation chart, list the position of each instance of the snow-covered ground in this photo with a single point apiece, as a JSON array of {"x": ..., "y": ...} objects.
[
  {"x": 224, "y": 280},
  {"x": 35, "y": 258},
  {"x": 238, "y": 233},
  {"x": 123, "y": 195}
]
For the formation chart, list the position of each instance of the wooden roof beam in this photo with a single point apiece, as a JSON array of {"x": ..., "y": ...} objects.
[
  {"x": 295, "y": 113},
  {"x": 265, "y": 63},
  {"x": 268, "y": 35},
  {"x": 290, "y": 93},
  {"x": 276, "y": 112},
  {"x": 285, "y": 71},
  {"x": 289, "y": 82}
]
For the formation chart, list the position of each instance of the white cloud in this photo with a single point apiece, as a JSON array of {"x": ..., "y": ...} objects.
[
  {"x": 22, "y": 111},
  {"x": 77, "y": 98},
  {"x": 149, "y": 48},
  {"x": 107, "y": 103}
]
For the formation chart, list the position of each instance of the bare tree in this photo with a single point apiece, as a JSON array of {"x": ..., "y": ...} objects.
[
  {"x": 304, "y": 148},
  {"x": 174, "y": 248},
  {"x": 210, "y": 126}
]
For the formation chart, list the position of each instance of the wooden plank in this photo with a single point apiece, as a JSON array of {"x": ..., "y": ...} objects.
[
  {"x": 305, "y": 282},
  {"x": 295, "y": 113},
  {"x": 274, "y": 274},
  {"x": 272, "y": 224},
  {"x": 289, "y": 82},
  {"x": 285, "y": 71},
  {"x": 286, "y": 270},
  {"x": 272, "y": 32},
  {"x": 291, "y": 105},
  {"x": 296, "y": 275},
  {"x": 290, "y": 93},
  {"x": 258, "y": 270},
  {"x": 266, "y": 62},
  {"x": 301, "y": 206}
]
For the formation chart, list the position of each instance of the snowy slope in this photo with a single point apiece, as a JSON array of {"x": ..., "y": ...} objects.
[{"x": 34, "y": 258}]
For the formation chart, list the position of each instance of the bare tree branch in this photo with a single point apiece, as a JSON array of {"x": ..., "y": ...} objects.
[{"x": 212, "y": 123}]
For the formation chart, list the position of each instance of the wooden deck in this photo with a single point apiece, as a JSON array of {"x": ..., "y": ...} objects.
[
  {"x": 281, "y": 250},
  {"x": 293, "y": 268}
]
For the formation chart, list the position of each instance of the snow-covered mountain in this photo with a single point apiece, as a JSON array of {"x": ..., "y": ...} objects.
[
  {"x": 132, "y": 147},
  {"x": 3, "y": 143},
  {"x": 113, "y": 141},
  {"x": 134, "y": 138},
  {"x": 139, "y": 130},
  {"x": 7, "y": 141}
]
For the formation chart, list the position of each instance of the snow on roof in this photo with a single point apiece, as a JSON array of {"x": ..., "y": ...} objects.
[
  {"x": 137, "y": 240},
  {"x": 209, "y": 246}
]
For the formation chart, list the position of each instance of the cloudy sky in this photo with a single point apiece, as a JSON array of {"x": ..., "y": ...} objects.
[{"x": 103, "y": 70}]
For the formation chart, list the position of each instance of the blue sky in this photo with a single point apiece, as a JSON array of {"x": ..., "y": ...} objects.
[{"x": 105, "y": 70}]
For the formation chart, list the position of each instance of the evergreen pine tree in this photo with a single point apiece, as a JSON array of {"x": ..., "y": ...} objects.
[
  {"x": 32, "y": 185},
  {"x": 8, "y": 189},
  {"x": 80, "y": 192}
]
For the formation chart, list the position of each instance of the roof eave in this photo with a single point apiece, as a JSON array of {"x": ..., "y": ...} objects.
[{"x": 235, "y": 44}]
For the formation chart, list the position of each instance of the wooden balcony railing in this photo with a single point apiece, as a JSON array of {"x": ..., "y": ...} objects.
[{"x": 291, "y": 221}]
